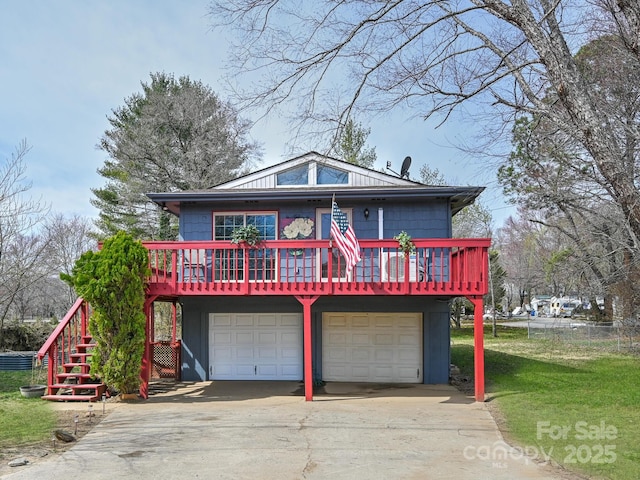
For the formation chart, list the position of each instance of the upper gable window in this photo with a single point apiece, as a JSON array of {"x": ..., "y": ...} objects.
[
  {"x": 313, "y": 173},
  {"x": 331, "y": 176},
  {"x": 295, "y": 176}
]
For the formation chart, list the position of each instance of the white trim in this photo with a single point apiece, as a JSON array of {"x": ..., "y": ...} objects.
[{"x": 266, "y": 178}]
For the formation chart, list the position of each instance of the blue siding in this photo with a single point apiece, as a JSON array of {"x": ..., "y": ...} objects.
[
  {"x": 436, "y": 347},
  {"x": 424, "y": 220},
  {"x": 435, "y": 327},
  {"x": 195, "y": 351}
]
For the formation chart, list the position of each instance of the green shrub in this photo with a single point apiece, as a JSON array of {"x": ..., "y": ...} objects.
[{"x": 113, "y": 282}]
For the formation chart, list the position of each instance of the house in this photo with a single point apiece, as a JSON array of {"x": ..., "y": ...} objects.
[{"x": 290, "y": 308}]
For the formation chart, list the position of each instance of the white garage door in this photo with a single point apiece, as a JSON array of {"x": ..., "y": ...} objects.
[
  {"x": 372, "y": 347},
  {"x": 255, "y": 346}
]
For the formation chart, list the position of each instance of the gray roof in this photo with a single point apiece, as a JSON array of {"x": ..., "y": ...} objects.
[{"x": 363, "y": 184}]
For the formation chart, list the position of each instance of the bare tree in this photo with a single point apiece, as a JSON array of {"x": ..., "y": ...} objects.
[
  {"x": 21, "y": 248},
  {"x": 68, "y": 239},
  {"x": 433, "y": 56}
]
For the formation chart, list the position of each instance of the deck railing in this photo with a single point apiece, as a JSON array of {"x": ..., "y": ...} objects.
[
  {"x": 63, "y": 342},
  {"x": 301, "y": 267}
]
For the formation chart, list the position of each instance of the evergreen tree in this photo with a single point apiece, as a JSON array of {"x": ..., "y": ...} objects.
[
  {"x": 352, "y": 147},
  {"x": 112, "y": 280},
  {"x": 176, "y": 135}
]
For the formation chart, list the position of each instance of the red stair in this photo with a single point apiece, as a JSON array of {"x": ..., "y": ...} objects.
[{"x": 69, "y": 351}]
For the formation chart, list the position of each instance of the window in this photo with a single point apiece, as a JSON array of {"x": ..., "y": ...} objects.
[
  {"x": 295, "y": 176},
  {"x": 331, "y": 176},
  {"x": 229, "y": 264},
  {"x": 225, "y": 224}
]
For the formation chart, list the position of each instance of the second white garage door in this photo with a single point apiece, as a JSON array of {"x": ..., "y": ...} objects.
[
  {"x": 372, "y": 347},
  {"x": 255, "y": 346}
]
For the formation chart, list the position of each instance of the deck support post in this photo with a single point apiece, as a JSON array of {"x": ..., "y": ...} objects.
[
  {"x": 307, "y": 301},
  {"x": 478, "y": 346},
  {"x": 145, "y": 369}
]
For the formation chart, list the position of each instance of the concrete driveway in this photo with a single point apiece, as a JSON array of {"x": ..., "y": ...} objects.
[{"x": 265, "y": 430}]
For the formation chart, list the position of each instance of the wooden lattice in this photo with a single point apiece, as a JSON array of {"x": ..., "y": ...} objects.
[{"x": 166, "y": 360}]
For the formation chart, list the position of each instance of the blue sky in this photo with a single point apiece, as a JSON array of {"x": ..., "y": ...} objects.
[{"x": 65, "y": 65}]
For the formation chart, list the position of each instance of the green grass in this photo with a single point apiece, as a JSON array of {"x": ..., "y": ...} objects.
[
  {"x": 22, "y": 420},
  {"x": 541, "y": 385}
]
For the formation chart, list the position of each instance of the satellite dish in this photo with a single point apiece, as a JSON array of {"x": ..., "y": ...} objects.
[{"x": 404, "y": 171}]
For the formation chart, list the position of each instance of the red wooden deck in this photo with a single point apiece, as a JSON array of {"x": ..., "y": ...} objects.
[
  {"x": 303, "y": 269},
  {"x": 443, "y": 267}
]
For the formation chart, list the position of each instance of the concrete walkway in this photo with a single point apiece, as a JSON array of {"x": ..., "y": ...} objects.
[{"x": 265, "y": 430}]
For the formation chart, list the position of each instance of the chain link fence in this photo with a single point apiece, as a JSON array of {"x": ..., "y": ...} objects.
[{"x": 620, "y": 337}]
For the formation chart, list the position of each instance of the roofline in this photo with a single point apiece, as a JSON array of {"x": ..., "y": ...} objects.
[
  {"x": 300, "y": 194},
  {"x": 171, "y": 200},
  {"x": 301, "y": 158}
]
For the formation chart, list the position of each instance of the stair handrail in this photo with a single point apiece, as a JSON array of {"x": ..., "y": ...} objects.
[{"x": 59, "y": 329}]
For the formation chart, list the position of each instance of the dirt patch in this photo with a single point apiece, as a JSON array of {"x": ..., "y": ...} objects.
[{"x": 48, "y": 449}]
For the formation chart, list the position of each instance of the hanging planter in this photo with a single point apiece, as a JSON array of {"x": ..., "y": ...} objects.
[
  {"x": 407, "y": 247},
  {"x": 249, "y": 235}
]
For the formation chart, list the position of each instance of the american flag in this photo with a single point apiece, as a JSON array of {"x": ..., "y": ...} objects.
[{"x": 344, "y": 237}]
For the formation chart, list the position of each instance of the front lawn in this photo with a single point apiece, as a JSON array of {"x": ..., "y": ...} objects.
[
  {"x": 22, "y": 420},
  {"x": 580, "y": 405}
]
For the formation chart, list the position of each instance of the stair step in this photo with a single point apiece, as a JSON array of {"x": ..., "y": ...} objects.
[
  {"x": 76, "y": 364},
  {"x": 80, "y": 356},
  {"x": 72, "y": 398},
  {"x": 78, "y": 375},
  {"x": 85, "y": 345},
  {"x": 78, "y": 386}
]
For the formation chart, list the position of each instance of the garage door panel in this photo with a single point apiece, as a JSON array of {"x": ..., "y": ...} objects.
[
  {"x": 221, "y": 338},
  {"x": 267, "y": 338},
  {"x": 222, "y": 320},
  {"x": 360, "y": 321},
  {"x": 408, "y": 374},
  {"x": 360, "y": 355},
  {"x": 361, "y": 372},
  {"x": 360, "y": 339},
  {"x": 266, "y": 320},
  {"x": 408, "y": 356},
  {"x": 384, "y": 321},
  {"x": 290, "y": 320},
  {"x": 409, "y": 340},
  {"x": 245, "y": 371},
  {"x": 244, "y": 320},
  {"x": 243, "y": 353},
  {"x": 266, "y": 353},
  {"x": 223, "y": 354},
  {"x": 243, "y": 338},
  {"x": 255, "y": 346},
  {"x": 372, "y": 347},
  {"x": 335, "y": 354},
  {"x": 339, "y": 338},
  {"x": 337, "y": 320},
  {"x": 290, "y": 354},
  {"x": 222, "y": 370},
  {"x": 384, "y": 339},
  {"x": 290, "y": 371},
  {"x": 383, "y": 355}
]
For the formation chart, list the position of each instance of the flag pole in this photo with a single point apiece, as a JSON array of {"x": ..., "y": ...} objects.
[{"x": 333, "y": 201}]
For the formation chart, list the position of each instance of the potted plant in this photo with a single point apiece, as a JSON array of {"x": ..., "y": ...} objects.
[
  {"x": 407, "y": 247},
  {"x": 249, "y": 235}
]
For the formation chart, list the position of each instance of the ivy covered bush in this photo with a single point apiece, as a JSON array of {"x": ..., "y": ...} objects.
[{"x": 112, "y": 280}]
